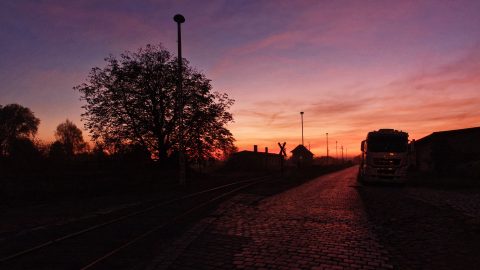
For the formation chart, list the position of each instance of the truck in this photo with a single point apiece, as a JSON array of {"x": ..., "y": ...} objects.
[{"x": 385, "y": 157}]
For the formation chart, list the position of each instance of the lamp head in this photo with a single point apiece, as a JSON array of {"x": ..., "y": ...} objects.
[{"x": 179, "y": 18}]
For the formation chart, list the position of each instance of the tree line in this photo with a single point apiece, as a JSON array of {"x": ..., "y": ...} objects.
[
  {"x": 18, "y": 127},
  {"x": 132, "y": 104}
]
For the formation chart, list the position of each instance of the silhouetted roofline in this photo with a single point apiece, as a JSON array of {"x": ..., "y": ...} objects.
[
  {"x": 247, "y": 152},
  {"x": 301, "y": 147},
  {"x": 440, "y": 134}
]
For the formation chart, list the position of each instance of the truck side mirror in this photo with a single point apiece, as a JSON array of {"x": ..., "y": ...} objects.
[{"x": 362, "y": 146}]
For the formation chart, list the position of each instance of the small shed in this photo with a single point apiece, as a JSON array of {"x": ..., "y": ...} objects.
[{"x": 301, "y": 155}]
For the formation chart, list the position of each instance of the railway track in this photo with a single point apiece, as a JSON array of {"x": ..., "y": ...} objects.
[{"x": 119, "y": 242}]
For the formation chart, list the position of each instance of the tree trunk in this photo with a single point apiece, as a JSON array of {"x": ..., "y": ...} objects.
[{"x": 162, "y": 153}]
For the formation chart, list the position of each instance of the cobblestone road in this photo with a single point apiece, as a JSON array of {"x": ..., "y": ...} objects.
[
  {"x": 321, "y": 224},
  {"x": 425, "y": 228}
]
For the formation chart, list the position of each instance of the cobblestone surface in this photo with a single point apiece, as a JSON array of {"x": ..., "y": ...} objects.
[
  {"x": 465, "y": 201},
  {"x": 319, "y": 225},
  {"x": 425, "y": 228}
]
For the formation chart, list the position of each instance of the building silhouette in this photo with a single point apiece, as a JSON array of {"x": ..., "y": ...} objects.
[
  {"x": 254, "y": 160},
  {"x": 448, "y": 152},
  {"x": 301, "y": 156}
]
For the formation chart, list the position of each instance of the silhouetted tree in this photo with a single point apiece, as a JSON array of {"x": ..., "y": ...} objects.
[
  {"x": 70, "y": 136},
  {"x": 16, "y": 122},
  {"x": 57, "y": 151},
  {"x": 23, "y": 152},
  {"x": 134, "y": 100},
  {"x": 229, "y": 152},
  {"x": 134, "y": 153},
  {"x": 99, "y": 150}
]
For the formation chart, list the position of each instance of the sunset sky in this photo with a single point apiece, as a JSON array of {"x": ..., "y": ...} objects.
[{"x": 351, "y": 66}]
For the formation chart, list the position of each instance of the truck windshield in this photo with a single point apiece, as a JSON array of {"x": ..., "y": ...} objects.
[{"x": 387, "y": 143}]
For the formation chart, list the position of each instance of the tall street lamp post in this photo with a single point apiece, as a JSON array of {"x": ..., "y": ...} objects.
[
  {"x": 336, "y": 151},
  {"x": 327, "y": 148},
  {"x": 179, "y": 19},
  {"x": 301, "y": 115}
]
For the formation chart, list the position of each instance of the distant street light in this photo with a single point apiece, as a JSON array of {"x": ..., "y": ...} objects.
[
  {"x": 327, "y": 147},
  {"x": 336, "y": 151},
  {"x": 301, "y": 115},
  {"x": 179, "y": 19}
]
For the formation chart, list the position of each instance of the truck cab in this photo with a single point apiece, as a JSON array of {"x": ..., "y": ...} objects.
[{"x": 385, "y": 157}]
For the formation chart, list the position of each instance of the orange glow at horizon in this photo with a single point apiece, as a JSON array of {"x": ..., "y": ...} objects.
[{"x": 352, "y": 67}]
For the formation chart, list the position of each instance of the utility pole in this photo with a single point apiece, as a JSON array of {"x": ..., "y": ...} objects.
[
  {"x": 336, "y": 150},
  {"x": 301, "y": 115},
  {"x": 179, "y": 19},
  {"x": 342, "y": 154},
  {"x": 327, "y": 149}
]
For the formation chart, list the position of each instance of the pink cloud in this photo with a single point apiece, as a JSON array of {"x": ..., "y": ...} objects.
[
  {"x": 120, "y": 27},
  {"x": 445, "y": 97},
  {"x": 320, "y": 25}
]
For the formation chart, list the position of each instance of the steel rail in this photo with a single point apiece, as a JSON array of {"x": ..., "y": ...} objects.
[
  {"x": 115, "y": 220},
  {"x": 164, "y": 225}
]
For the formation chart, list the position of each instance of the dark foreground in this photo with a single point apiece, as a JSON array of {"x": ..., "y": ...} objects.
[
  {"x": 329, "y": 222},
  {"x": 119, "y": 231},
  {"x": 333, "y": 222}
]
